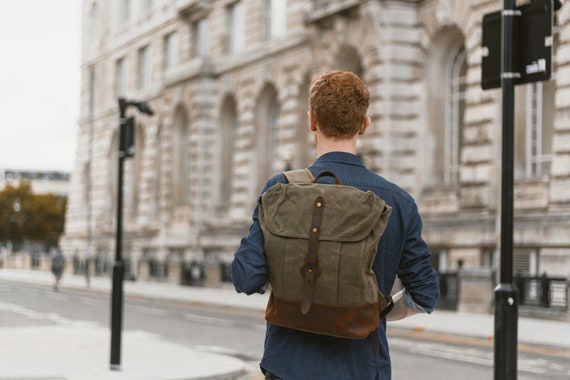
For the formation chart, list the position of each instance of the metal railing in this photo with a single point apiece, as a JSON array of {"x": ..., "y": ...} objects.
[
  {"x": 448, "y": 291},
  {"x": 543, "y": 291}
]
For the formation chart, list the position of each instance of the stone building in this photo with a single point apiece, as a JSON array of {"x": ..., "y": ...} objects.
[
  {"x": 42, "y": 181},
  {"x": 228, "y": 81}
]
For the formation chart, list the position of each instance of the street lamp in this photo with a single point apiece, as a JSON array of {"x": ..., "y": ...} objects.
[{"x": 126, "y": 150}]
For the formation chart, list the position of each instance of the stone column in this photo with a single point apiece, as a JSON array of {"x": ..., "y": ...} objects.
[{"x": 476, "y": 290}]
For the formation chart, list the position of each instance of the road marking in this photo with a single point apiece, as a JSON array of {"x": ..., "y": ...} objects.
[
  {"x": 259, "y": 327},
  {"x": 439, "y": 350},
  {"x": 479, "y": 355},
  {"x": 92, "y": 302},
  {"x": 147, "y": 310},
  {"x": 32, "y": 314},
  {"x": 29, "y": 292},
  {"x": 209, "y": 320},
  {"x": 478, "y": 342}
]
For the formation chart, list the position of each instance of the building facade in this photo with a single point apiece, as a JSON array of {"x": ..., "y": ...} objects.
[
  {"x": 228, "y": 83},
  {"x": 42, "y": 181}
]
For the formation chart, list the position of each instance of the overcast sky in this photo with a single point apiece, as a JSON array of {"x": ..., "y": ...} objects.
[{"x": 39, "y": 83}]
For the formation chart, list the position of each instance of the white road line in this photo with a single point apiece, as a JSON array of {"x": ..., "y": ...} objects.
[
  {"x": 93, "y": 302},
  {"x": 29, "y": 292},
  {"x": 259, "y": 327},
  {"x": 32, "y": 314},
  {"x": 209, "y": 320},
  {"x": 147, "y": 310},
  {"x": 466, "y": 355}
]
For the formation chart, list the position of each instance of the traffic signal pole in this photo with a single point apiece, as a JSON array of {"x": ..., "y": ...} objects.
[
  {"x": 506, "y": 297},
  {"x": 118, "y": 265},
  {"x": 126, "y": 150}
]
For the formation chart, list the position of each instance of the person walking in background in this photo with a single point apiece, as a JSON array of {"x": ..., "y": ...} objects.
[
  {"x": 57, "y": 267},
  {"x": 338, "y": 104}
]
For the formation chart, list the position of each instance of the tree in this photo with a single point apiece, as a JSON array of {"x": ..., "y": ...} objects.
[{"x": 27, "y": 216}]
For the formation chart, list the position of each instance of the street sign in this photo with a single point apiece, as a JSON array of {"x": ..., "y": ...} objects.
[{"x": 532, "y": 58}]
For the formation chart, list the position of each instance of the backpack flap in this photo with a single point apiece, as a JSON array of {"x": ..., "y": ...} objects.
[{"x": 286, "y": 210}]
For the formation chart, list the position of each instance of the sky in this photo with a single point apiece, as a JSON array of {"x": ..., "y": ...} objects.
[{"x": 39, "y": 83}]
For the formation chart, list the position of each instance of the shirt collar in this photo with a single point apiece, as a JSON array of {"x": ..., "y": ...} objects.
[{"x": 340, "y": 157}]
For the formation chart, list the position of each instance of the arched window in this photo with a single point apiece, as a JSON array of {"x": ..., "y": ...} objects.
[
  {"x": 137, "y": 169},
  {"x": 112, "y": 184},
  {"x": 157, "y": 168},
  {"x": 454, "y": 114},
  {"x": 348, "y": 59},
  {"x": 274, "y": 19},
  {"x": 180, "y": 160},
  {"x": 534, "y": 126},
  {"x": 539, "y": 128},
  {"x": 442, "y": 143},
  {"x": 268, "y": 112},
  {"x": 306, "y": 147},
  {"x": 229, "y": 124}
]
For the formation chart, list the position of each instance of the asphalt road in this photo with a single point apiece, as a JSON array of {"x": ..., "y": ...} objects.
[{"x": 240, "y": 333}]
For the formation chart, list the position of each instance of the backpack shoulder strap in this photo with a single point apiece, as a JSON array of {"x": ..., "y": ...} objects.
[{"x": 299, "y": 176}]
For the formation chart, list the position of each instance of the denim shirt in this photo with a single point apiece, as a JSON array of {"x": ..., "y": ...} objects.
[{"x": 292, "y": 354}]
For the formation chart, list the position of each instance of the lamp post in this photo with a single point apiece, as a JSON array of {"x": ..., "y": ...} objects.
[{"x": 126, "y": 150}]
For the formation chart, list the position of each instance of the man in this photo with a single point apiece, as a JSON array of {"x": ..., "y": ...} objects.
[
  {"x": 338, "y": 103},
  {"x": 57, "y": 267}
]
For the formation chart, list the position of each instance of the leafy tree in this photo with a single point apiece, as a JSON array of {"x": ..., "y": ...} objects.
[
  {"x": 14, "y": 201},
  {"x": 27, "y": 216}
]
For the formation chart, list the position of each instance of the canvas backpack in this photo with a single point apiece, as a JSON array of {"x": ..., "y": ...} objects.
[{"x": 320, "y": 244}]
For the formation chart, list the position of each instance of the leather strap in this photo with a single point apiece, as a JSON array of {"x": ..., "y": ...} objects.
[
  {"x": 310, "y": 268},
  {"x": 327, "y": 173}
]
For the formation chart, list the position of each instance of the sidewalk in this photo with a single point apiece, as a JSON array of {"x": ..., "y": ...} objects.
[{"x": 185, "y": 363}]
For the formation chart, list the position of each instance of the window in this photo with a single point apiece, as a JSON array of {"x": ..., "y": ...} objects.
[
  {"x": 487, "y": 258},
  {"x": 267, "y": 119},
  {"x": 121, "y": 78},
  {"x": 525, "y": 261},
  {"x": 112, "y": 183},
  {"x": 235, "y": 28},
  {"x": 92, "y": 93},
  {"x": 158, "y": 171},
  {"x": 454, "y": 112},
  {"x": 146, "y": 6},
  {"x": 306, "y": 150},
  {"x": 144, "y": 68},
  {"x": 136, "y": 172},
  {"x": 86, "y": 198},
  {"x": 274, "y": 112},
  {"x": 200, "y": 38},
  {"x": 124, "y": 10},
  {"x": 171, "y": 50},
  {"x": 228, "y": 130},
  {"x": 274, "y": 19},
  {"x": 539, "y": 129},
  {"x": 180, "y": 160},
  {"x": 534, "y": 126}
]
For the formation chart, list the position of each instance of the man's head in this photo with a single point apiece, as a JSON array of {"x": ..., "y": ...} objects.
[{"x": 338, "y": 101}]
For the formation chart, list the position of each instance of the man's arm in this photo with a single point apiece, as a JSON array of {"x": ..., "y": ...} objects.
[
  {"x": 249, "y": 267},
  {"x": 416, "y": 273}
]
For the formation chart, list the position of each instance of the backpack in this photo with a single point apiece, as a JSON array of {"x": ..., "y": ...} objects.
[{"x": 320, "y": 244}]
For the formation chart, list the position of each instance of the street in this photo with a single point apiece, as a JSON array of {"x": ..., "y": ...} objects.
[{"x": 239, "y": 333}]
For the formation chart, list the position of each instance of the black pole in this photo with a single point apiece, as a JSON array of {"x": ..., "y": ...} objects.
[
  {"x": 126, "y": 150},
  {"x": 506, "y": 298},
  {"x": 118, "y": 266}
]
